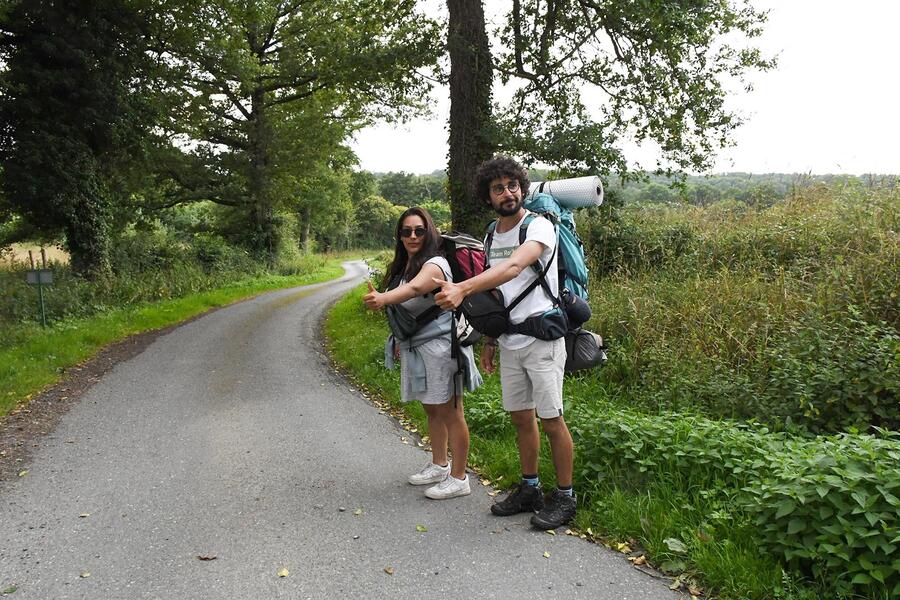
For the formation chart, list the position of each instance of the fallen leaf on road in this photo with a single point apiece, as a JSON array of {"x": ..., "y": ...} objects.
[
  {"x": 357, "y": 512},
  {"x": 421, "y": 528},
  {"x": 551, "y": 532},
  {"x": 283, "y": 572},
  {"x": 676, "y": 583},
  {"x": 207, "y": 556},
  {"x": 485, "y": 482},
  {"x": 85, "y": 574},
  {"x": 546, "y": 555},
  {"x": 389, "y": 570},
  {"x": 570, "y": 532},
  {"x": 23, "y": 473},
  {"x": 640, "y": 560},
  {"x": 623, "y": 548},
  {"x": 84, "y": 515},
  {"x": 694, "y": 591}
]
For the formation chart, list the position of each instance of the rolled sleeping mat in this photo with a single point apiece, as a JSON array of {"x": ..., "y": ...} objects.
[{"x": 571, "y": 193}]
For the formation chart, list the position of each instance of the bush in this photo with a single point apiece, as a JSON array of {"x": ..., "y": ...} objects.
[
  {"x": 826, "y": 506},
  {"x": 787, "y": 315}
]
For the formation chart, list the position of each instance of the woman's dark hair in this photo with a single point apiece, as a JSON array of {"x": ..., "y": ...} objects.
[
  {"x": 430, "y": 248},
  {"x": 496, "y": 168}
]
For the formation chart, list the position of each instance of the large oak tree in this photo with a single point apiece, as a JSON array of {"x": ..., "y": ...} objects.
[
  {"x": 591, "y": 76},
  {"x": 75, "y": 114},
  {"x": 272, "y": 88}
]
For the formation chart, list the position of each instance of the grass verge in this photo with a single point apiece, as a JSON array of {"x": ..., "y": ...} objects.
[
  {"x": 702, "y": 536},
  {"x": 43, "y": 355}
]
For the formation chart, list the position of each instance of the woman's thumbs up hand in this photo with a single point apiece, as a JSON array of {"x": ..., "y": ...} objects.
[{"x": 373, "y": 300}]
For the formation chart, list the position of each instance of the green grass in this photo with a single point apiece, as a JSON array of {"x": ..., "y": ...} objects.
[{"x": 41, "y": 356}]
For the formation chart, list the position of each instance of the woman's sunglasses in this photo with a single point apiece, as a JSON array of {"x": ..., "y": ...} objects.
[{"x": 408, "y": 231}]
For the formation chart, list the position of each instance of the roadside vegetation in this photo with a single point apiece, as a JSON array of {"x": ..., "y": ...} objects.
[
  {"x": 744, "y": 434},
  {"x": 84, "y": 317}
]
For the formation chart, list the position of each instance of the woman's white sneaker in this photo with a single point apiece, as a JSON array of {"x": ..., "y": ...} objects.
[
  {"x": 432, "y": 473},
  {"x": 451, "y": 487}
]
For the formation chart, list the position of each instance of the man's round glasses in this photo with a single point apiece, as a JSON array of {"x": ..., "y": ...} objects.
[
  {"x": 512, "y": 186},
  {"x": 408, "y": 231}
]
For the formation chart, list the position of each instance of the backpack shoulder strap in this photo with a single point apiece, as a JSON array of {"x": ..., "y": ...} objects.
[
  {"x": 488, "y": 240},
  {"x": 523, "y": 228}
]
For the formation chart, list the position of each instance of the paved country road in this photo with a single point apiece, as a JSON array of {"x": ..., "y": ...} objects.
[{"x": 231, "y": 437}]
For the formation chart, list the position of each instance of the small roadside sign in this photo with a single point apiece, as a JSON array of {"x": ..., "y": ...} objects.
[{"x": 39, "y": 277}]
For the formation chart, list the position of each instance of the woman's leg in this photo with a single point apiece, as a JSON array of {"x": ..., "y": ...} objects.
[
  {"x": 437, "y": 433},
  {"x": 453, "y": 419}
]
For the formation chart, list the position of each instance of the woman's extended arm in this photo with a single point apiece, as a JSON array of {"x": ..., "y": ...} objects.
[{"x": 420, "y": 284}]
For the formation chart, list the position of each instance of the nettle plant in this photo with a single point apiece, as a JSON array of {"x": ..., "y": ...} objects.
[
  {"x": 833, "y": 507},
  {"x": 827, "y": 506}
]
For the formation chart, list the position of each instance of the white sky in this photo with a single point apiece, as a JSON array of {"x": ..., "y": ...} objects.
[{"x": 830, "y": 106}]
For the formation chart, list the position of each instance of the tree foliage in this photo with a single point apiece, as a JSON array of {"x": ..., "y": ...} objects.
[
  {"x": 591, "y": 76},
  {"x": 75, "y": 114},
  {"x": 272, "y": 88},
  {"x": 595, "y": 74}
]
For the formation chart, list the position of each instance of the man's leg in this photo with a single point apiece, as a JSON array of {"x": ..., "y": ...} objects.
[
  {"x": 547, "y": 361},
  {"x": 528, "y": 438},
  {"x": 561, "y": 448},
  {"x": 525, "y": 496}
]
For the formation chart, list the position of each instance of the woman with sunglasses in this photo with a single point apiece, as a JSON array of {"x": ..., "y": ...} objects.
[{"x": 428, "y": 372}]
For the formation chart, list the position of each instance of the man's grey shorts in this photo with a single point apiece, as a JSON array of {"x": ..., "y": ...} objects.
[{"x": 532, "y": 377}]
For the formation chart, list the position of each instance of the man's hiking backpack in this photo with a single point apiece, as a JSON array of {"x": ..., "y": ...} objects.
[
  {"x": 570, "y": 264},
  {"x": 584, "y": 349}
]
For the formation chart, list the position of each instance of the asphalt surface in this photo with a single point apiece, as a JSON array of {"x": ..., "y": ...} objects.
[{"x": 232, "y": 439}]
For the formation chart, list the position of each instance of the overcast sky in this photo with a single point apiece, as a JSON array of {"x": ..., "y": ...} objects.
[{"x": 830, "y": 106}]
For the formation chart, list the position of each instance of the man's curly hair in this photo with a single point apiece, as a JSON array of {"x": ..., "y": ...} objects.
[{"x": 496, "y": 168}]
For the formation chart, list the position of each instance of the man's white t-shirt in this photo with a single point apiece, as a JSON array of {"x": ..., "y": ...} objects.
[{"x": 537, "y": 302}]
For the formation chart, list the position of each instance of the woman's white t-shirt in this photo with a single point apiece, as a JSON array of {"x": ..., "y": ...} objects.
[{"x": 537, "y": 302}]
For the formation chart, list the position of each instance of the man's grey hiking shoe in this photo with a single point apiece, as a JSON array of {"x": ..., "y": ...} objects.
[
  {"x": 521, "y": 498},
  {"x": 558, "y": 510}
]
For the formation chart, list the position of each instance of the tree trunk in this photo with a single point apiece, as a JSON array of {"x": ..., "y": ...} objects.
[
  {"x": 471, "y": 77},
  {"x": 305, "y": 219},
  {"x": 87, "y": 213},
  {"x": 262, "y": 209}
]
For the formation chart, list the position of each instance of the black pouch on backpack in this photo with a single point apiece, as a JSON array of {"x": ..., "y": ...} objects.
[
  {"x": 403, "y": 325},
  {"x": 550, "y": 325},
  {"x": 584, "y": 350},
  {"x": 577, "y": 309},
  {"x": 486, "y": 312}
]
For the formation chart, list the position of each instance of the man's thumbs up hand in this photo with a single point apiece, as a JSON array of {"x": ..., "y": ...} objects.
[{"x": 450, "y": 296}]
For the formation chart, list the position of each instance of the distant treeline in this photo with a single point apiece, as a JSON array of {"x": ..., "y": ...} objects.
[{"x": 756, "y": 189}]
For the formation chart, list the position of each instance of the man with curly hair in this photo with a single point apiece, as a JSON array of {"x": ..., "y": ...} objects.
[{"x": 531, "y": 369}]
